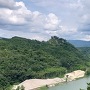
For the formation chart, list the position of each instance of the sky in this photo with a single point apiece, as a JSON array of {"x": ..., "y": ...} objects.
[{"x": 41, "y": 19}]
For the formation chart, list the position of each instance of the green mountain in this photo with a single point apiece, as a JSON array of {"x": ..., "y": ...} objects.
[
  {"x": 85, "y": 51},
  {"x": 80, "y": 43},
  {"x": 22, "y": 59}
]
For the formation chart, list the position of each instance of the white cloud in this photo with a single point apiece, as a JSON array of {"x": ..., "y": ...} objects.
[
  {"x": 34, "y": 19},
  {"x": 24, "y": 20},
  {"x": 10, "y": 4},
  {"x": 38, "y": 36},
  {"x": 77, "y": 5},
  {"x": 62, "y": 19},
  {"x": 84, "y": 25},
  {"x": 87, "y": 38},
  {"x": 14, "y": 17},
  {"x": 52, "y": 22}
]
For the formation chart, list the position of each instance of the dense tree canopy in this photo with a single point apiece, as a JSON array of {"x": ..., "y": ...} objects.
[{"x": 22, "y": 59}]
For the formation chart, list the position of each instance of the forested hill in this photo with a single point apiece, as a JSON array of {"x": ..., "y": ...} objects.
[
  {"x": 22, "y": 59},
  {"x": 85, "y": 51}
]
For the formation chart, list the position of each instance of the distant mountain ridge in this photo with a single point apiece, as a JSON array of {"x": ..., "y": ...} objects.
[
  {"x": 80, "y": 43},
  {"x": 1, "y": 37}
]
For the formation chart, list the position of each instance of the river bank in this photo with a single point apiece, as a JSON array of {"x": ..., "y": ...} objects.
[{"x": 32, "y": 84}]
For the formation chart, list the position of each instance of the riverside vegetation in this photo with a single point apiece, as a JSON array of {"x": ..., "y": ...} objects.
[{"x": 22, "y": 59}]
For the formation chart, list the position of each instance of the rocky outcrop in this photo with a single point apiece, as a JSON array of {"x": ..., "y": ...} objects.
[{"x": 74, "y": 75}]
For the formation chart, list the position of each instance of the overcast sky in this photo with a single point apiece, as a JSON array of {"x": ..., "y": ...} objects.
[{"x": 41, "y": 19}]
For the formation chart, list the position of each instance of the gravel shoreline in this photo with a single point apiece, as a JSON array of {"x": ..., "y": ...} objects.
[{"x": 33, "y": 84}]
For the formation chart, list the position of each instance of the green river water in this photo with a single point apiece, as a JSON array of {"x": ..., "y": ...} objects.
[{"x": 73, "y": 85}]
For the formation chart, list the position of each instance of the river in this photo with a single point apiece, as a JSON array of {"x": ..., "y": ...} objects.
[{"x": 73, "y": 85}]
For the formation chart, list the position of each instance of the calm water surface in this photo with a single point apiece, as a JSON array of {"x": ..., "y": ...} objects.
[{"x": 73, "y": 85}]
